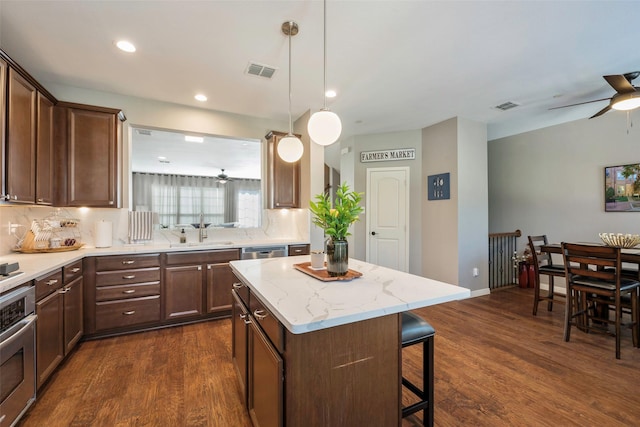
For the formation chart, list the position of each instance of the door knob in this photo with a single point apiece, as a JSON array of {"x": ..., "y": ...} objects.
[{"x": 373, "y": 233}]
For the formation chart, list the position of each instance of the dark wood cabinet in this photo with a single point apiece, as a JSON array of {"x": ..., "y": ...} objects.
[
  {"x": 3, "y": 119},
  {"x": 44, "y": 152},
  {"x": 220, "y": 280},
  {"x": 239, "y": 339},
  {"x": 49, "y": 344},
  {"x": 59, "y": 307},
  {"x": 89, "y": 172},
  {"x": 295, "y": 250},
  {"x": 20, "y": 143},
  {"x": 266, "y": 380},
  {"x": 183, "y": 291},
  {"x": 283, "y": 178}
]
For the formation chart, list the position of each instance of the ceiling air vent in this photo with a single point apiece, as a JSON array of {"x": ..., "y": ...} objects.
[
  {"x": 260, "y": 70},
  {"x": 143, "y": 132},
  {"x": 507, "y": 106}
]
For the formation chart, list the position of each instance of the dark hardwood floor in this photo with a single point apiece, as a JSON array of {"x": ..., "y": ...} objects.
[{"x": 496, "y": 365}]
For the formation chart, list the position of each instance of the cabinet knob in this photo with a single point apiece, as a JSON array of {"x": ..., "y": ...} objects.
[
  {"x": 237, "y": 285},
  {"x": 75, "y": 270},
  {"x": 111, "y": 202},
  {"x": 40, "y": 200},
  {"x": 129, "y": 313}
]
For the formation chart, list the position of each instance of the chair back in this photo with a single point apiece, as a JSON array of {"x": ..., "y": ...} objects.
[
  {"x": 538, "y": 257},
  {"x": 592, "y": 265}
]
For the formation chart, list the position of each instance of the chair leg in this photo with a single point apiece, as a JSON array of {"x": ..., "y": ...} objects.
[
  {"x": 568, "y": 313},
  {"x": 634, "y": 318},
  {"x": 536, "y": 295},
  {"x": 550, "y": 294},
  {"x": 618, "y": 315},
  {"x": 428, "y": 376}
]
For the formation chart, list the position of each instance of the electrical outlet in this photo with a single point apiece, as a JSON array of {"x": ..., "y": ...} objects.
[{"x": 476, "y": 273}]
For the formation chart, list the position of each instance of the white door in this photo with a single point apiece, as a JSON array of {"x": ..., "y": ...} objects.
[{"x": 387, "y": 213}]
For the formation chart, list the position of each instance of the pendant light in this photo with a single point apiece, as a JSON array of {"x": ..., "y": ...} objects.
[
  {"x": 290, "y": 148},
  {"x": 324, "y": 126}
]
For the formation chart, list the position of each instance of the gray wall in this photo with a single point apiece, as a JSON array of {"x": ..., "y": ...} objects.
[{"x": 551, "y": 181}]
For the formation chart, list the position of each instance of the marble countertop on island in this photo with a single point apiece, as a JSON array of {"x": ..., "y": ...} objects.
[{"x": 303, "y": 303}]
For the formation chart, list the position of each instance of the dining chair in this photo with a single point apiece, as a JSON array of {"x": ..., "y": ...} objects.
[
  {"x": 594, "y": 281},
  {"x": 543, "y": 264}
]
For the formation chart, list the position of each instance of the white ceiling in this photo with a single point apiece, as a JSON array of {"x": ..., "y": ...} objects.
[{"x": 396, "y": 65}]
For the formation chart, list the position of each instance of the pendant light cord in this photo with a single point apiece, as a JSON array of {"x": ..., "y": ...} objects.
[
  {"x": 324, "y": 96},
  {"x": 290, "y": 123}
]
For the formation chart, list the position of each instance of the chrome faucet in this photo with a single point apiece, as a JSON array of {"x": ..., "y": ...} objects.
[{"x": 202, "y": 234}]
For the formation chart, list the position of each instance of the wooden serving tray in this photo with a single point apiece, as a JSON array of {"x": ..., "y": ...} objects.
[
  {"x": 49, "y": 250},
  {"x": 323, "y": 274}
]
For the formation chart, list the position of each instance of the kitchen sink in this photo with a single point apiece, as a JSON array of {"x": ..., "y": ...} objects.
[{"x": 200, "y": 244}]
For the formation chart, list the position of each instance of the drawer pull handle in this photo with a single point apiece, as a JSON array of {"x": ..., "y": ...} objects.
[
  {"x": 129, "y": 276},
  {"x": 245, "y": 318},
  {"x": 129, "y": 291},
  {"x": 259, "y": 314},
  {"x": 237, "y": 285},
  {"x": 297, "y": 250},
  {"x": 64, "y": 290},
  {"x": 129, "y": 313},
  {"x": 75, "y": 270},
  {"x": 52, "y": 282},
  {"x": 128, "y": 262}
]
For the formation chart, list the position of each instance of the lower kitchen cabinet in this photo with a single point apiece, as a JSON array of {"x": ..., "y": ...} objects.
[
  {"x": 59, "y": 327},
  {"x": 183, "y": 291},
  {"x": 220, "y": 280},
  {"x": 239, "y": 341}
]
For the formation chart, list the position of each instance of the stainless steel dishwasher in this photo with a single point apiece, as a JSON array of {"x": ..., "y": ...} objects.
[{"x": 259, "y": 252}]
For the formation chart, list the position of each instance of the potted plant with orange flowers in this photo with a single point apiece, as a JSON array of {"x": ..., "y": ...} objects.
[{"x": 335, "y": 221}]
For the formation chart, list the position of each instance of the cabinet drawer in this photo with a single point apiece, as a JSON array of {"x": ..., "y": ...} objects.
[
  {"x": 197, "y": 257},
  {"x": 71, "y": 271},
  {"x": 121, "y": 313},
  {"x": 47, "y": 284},
  {"x": 122, "y": 277},
  {"x": 109, "y": 293},
  {"x": 299, "y": 250},
  {"x": 268, "y": 322},
  {"x": 127, "y": 261}
]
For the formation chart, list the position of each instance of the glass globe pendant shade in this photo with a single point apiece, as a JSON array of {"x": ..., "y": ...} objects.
[
  {"x": 324, "y": 127},
  {"x": 290, "y": 149}
]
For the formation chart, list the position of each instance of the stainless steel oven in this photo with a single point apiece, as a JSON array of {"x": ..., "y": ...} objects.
[{"x": 17, "y": 354}]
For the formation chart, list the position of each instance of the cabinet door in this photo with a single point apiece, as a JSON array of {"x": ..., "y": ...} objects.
[
  {"x": 20, "y": 145},
  {"x": 239, "y": 328},
  {"x": 283, "y": 177},
  {"x": 49, "y": 327},
  {"x": 73, "y": 328},
  {"x": 220, "y": 279},
  {"x": 183, "y": 291},
  {"x": 265, "y": 380},
  {"x": 44, "y": 152},
  {"x": 92, "y": 168}
]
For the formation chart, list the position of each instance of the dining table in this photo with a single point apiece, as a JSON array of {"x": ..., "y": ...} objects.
[{"x": 628, "y": 255}]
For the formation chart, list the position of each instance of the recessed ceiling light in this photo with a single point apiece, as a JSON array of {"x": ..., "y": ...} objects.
[
  {"x": 126, "y": 46},
  {"x": 190, "y": 138},
  {"x": 330, "y": 93},
  {"x": 162, "y": 158},
  {"x": 200, "y": 97}
]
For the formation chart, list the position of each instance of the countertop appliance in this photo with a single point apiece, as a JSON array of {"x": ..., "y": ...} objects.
[
  {"x": 17, "y": 353},
  {"x": 259, "y": 252}
]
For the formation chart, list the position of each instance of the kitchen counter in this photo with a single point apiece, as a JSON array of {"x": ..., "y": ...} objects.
[
  {"x": 303, "y": 303},
  {"x": 36, "y": 265}
]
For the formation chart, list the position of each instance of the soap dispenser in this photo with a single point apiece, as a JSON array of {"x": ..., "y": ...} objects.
[{"x": 183, "y": 237}]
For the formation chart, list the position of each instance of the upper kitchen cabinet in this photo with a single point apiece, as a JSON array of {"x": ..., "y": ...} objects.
[
  {"x": 20, "y": 143},
  {"x": 88, "y": 162},
  {"x": 26, "y": 129},
  {"x": 283, "y": 178}
]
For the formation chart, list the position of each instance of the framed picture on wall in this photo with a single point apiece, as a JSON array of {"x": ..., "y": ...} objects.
[{"x": 622, "y": 188}]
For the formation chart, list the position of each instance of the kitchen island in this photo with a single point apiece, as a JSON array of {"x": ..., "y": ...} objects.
[{"x": 319, "y": 353}]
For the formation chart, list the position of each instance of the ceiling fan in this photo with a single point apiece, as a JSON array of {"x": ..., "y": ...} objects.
[
  {"x": 222, "y": 177},
  {"x": 626, "y": 98}
]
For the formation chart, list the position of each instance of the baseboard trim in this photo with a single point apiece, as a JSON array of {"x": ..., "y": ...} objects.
[{"x": 480, "y": 292}]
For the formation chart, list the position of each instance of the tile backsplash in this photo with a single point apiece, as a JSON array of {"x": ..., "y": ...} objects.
[{"x": 286, "y": 224}]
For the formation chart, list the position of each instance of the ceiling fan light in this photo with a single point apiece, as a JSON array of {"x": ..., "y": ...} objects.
[
  {"x": 324, "y": 127},
  {"x": 627, "y": 101},
  {"x": 290, "y": 149}
]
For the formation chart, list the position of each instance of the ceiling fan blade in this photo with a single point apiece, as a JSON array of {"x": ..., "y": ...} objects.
[
  {"x": 620, "y": 83},
  {"x": 601, "y": 112},
  {"x": 580, "y": 103}
]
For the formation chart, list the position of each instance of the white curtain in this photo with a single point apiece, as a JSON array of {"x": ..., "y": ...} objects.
[{"x": 180, "y": 199}]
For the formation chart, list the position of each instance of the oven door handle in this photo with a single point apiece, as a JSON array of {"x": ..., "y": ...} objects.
[{"x": 26, "y": 322}]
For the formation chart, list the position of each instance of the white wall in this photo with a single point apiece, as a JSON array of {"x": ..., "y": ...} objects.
[{"x": 551, "y": 181}]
